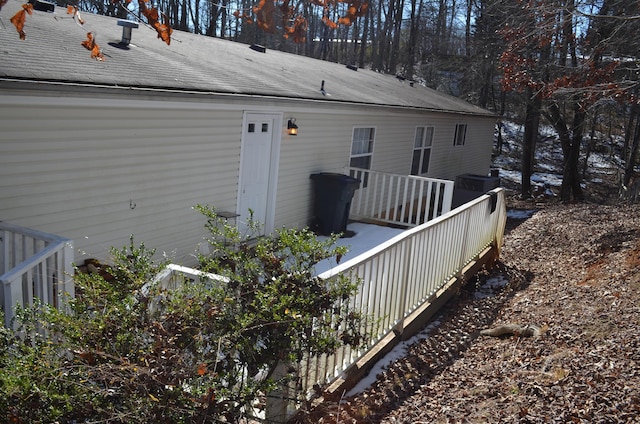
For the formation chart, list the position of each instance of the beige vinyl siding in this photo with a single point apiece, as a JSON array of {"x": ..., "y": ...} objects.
[
  {"x": 323, "y": 144},
  {"x": 78, "y": 171},
  {"x": 448, "y": 161},
  {"x": 73, "y": 167}
]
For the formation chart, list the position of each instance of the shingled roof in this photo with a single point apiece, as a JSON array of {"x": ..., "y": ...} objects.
[{"x": 52, "y": 52}]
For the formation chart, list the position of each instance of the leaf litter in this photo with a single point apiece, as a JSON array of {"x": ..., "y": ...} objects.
[{"x": 573, "y": 270}]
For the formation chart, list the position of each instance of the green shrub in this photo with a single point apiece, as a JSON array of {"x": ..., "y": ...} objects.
[{"x": 129, "y": 350}]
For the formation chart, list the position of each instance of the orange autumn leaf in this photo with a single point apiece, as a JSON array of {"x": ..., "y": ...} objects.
[
  {"x": 164, "y": 30},
  {"x": 72, "y": 10},
  {"x": 90, "y": 44},
  {"x": 19, "y": 18},
  {"x": 243, "y": 16},
  {"x": 298, "y": 30},
  {"x": 355, "y": 10},
  {"x": 328, "y": 22},
  {"x": 153, "y": 17},
  {"x": 202, "y": 369},
  {"x": 265, "y": 11}
]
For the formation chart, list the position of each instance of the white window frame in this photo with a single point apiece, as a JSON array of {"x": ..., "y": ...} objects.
[
  {"x": 460, "y": 135},
  {"x": 423, "y": 146},
  {"x": 362, "y": 151}
]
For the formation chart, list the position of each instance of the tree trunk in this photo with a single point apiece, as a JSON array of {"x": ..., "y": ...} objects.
[
  {"x": 416, "y": 11},
  {"x": 365, "y": 39},
  {"x": 467, "y": 29},
  {"x": 531, "y": 124},
  {"x": 397, "y": 30},
  {"x": 592, "y": 141},
  {"x": 570, "y": 150},
  {"x": 630, "y": 158}
]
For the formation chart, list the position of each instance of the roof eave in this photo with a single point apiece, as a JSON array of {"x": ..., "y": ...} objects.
[{"x": 69, "y": 87}]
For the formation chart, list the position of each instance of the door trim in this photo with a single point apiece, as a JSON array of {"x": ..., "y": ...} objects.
[{"x": 276, "y": 140}]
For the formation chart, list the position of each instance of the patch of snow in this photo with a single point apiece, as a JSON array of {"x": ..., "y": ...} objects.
[
  {"x": 599, "y": 161},
  {"x": 543, "y": 178},
  {"x": 520, "y": 214},
  {"x": 490, "y": 287},
  {"x": 514, "y": 176},
  {"x": 398, "y": 352},
  {"x": 366, "y": 237}
]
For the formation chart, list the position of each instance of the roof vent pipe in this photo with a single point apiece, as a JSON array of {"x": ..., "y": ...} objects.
[
  {"x": 258, "y": 48},
  {"x": 126, "y": 30}
]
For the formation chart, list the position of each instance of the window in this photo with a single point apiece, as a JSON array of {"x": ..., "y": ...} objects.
[
  {"x": 461, "y": 133},
  {"x": 362, "y": 147},
  {"x": 422, "y": 150}
]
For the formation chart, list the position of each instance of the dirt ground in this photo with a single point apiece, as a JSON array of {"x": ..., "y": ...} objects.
[{"x": 573, "y": 270}]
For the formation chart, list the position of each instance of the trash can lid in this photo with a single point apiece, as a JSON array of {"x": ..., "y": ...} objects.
[{"x": 334, "y": 176}]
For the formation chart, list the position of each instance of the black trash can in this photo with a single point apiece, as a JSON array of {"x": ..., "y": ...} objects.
[{"x": 332, "y": 201}]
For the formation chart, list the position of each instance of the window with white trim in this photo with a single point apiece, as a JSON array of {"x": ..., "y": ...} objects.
[
  {"x": 422, "y": 150},
  {"x": 461, "y": 134},
  {"x": 362, "y": 147}
]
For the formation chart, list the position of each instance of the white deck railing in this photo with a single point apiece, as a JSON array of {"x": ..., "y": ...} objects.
[
  {"x": 403, "y": 273},
  {"x": 406, "y": 200},
  {"x": 396, "y": 278},
  {"x": 33, "y": 265}
]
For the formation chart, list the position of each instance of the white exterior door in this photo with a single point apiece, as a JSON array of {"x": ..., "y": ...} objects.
[{"x": 258, "y": 169}]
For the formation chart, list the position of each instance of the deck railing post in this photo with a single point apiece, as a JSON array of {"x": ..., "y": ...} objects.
[{"x": 407, "y": 261}]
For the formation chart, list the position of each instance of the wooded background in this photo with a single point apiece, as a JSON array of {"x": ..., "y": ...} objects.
[{"x": 570, "y": 63}]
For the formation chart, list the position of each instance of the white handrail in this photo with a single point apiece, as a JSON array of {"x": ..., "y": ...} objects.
[
  {"x": 396, "y": 277},
  {"x": 407, "y": 200},
  {"x": 34, "y": 265},
  {"x": 401, "y": 275}
]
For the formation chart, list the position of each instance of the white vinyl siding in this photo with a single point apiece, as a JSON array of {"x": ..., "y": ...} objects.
[
  {"x": 97, "y": 171},
  {"x": 323, "y": 144},
  {"x": 98, "y": 174}
]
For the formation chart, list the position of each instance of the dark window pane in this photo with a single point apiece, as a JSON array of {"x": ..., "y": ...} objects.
[
  {"x": 426, "y": 153},
  {"x": 429, "y": 137},
  {"x": 415, "y": 163},
  {"x": 417, "y": 142},
  {"x": 265, "y": 127},
  {"x": 252, "y": 128},
  {"x": 363, "y": 162}
]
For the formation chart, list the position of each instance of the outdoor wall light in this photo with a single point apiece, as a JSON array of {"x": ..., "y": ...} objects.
[{"x": 292, "y": 128}]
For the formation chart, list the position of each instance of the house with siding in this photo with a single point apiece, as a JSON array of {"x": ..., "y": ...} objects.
[{"x": 95, "y": 151}]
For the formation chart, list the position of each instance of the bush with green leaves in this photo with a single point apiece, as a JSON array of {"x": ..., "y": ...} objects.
[{"x": 128, "y": 349}]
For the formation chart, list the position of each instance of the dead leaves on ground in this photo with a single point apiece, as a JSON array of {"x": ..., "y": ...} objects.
[{"x": 584, "y": 285}]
